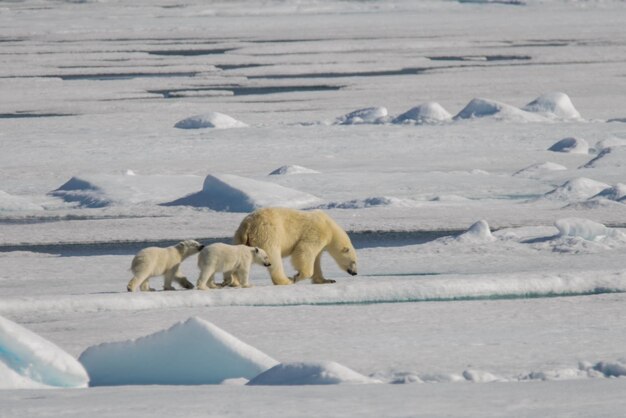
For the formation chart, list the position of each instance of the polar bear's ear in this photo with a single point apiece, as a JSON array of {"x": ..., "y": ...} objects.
[
  {"x": 345, "y": 250},
  {"x": 256, "y": 250}
]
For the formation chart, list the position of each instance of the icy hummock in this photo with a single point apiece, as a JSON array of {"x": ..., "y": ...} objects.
[
  {"x": 587, "y": 230},
  {"x": 27, "y": 360},
  {"x": 477, "y": 233},
  {"x": 231, "y": 193},
  {"x": 427, "y": 113},
  {"x": 365, "y": 115},
  {"x": 571, "y": 145},
  {"x": 576, "y": 190},
  {"x": 616, "y": 193},
  {"x": 210, "y": 120},
  {"x": 612, "y": 142},
  {"x": 555, "y": 104},
  {"x": 310, "y": 373},
  {"x": 102, "y": 190},
  {"x": 193, "y": 352},
  {"x": 481, "y": 107},
  {"x": 536, "y": 170},
  {"x": 287, "y": 170}
]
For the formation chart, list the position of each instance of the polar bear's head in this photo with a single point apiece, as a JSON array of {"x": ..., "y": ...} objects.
[
  {"x": 260, "y": 257},
  {"x": 188, "y": 247},
  {"x": 346, "y": 259}
]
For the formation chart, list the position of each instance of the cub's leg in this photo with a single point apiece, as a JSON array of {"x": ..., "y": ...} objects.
[{"x": 205, "y": 280}]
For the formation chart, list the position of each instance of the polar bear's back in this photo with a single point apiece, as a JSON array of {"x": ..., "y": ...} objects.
[
  {"x": 224, "y": 257},
  {"x": 153, "y": 260}
]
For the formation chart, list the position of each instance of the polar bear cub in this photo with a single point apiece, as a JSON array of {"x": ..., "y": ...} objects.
[
  {"x": 156, "y": 261},
  {"x": 234, "y": 260}
]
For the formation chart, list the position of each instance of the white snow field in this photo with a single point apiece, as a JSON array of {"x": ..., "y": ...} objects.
[{"x": 492, "y": 280}]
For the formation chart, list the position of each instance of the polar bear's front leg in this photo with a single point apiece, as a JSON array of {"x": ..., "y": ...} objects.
[
  {"x": 276, "y": 269},
  {"x": 318, "y": 277}
]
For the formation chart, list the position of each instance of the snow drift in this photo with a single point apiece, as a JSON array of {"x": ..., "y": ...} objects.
[
  {"x": 365, "y": 115},
  {"x": 478, "y": 232},
  {"x": 287, "y": 170},
  {"x": 30, "y": 361},
  {"x": 608, "y": 157},
  {"x": 102, "y": 190},
  {"x": 9, "y": 202},
  {"x": 555, "y": 104},
  {"x": 616, "y": 193},
  {"x": 587, "y": 230},
  {"x": 310, "y": 373},
  {"x": 231, "y": 193},
  {"x": 480, "y": 108},
  {"x": 537, "y": 170},
  {"x": 427, "y": 113},
  {"x": 571, "y": 145},
  {"x": 193, "y": 352},
  {"x": 210, "y": 120},
  {"x": 576, "y": 190}
]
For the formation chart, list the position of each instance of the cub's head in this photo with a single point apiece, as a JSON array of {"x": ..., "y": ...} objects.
[
  {"x": 346, "y": 259},
  {"x": 188, "y": 247},
  {"x": 260, "y": 257}
]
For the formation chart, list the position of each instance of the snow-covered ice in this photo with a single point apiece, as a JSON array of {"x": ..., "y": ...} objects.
[
  {"x": 571, "y": 145},
  {"x": 193, "y": 352},
  {"x": 506, "y": 318},
  {"x": 29, "y": 361}
]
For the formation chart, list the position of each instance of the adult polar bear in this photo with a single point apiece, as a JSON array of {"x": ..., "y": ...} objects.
[{"x": 304, "y": 236}]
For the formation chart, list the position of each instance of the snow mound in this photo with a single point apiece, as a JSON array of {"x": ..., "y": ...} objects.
[
  {"x": 576, "y": 190},
  {"x": 608, "y": 157},
  {"x": 571, "y": 145},
  {"x": 553, "y": 104},
  {"x": 287, "y": 170},
  {"x": 427, "y": 113},
  {"x": 210, "y": 120},
  {"x": 536, "y": 170},
  {"x": 587, "y": 230},
  {"x": 231, "y": 193},
  {"x": 102, "y": 190},
  {"x": 448, "y": 198},
  {"x": 9, "y": 202},
  {"x": 368, "y": 203},
  {"x": 612, "y": 142},
  {"x": 365, "y": 115},
  {"x": 616, "y": 193},
  {"x": 310, "y": 373},
  {"x": 193, "y": 352},
  {"x": 477, "y": 233},
  {"x": 30, "y": 361},
  {"x": 480, "y": 108}
]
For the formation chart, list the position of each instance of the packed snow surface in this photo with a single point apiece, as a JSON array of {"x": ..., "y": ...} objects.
[
  {"x": 309, "y": 373},
  {"x": 537, "y": 170},
  {"x": 210, "y": 120},
  {"x": 571, "y": 145},
  {"x": 27, "y": 360},
  {"x": 193, "y": 352},
  {"x": 231, "y": 193}
]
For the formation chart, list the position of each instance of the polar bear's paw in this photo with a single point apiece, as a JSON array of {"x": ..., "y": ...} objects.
[{"x": 170, "y": 287}]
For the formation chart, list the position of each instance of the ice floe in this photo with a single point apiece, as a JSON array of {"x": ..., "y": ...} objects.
[
  {"x": 27, "y": 360},
  {"x": 427, "y": 113},
  {"x": 571, "y": 145},
  {"x": 192, "y": 352},
  {"x": 310, "y": 373},
  {"x": 231, "y": 193},
  {"x": 210, "y": 120}
]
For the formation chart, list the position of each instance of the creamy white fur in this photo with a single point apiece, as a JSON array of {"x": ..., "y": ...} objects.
[{"x": 233, "y": 260}]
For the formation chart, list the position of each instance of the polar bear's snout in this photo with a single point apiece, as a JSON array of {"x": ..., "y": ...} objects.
[{"x": 352, "y": 269}]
